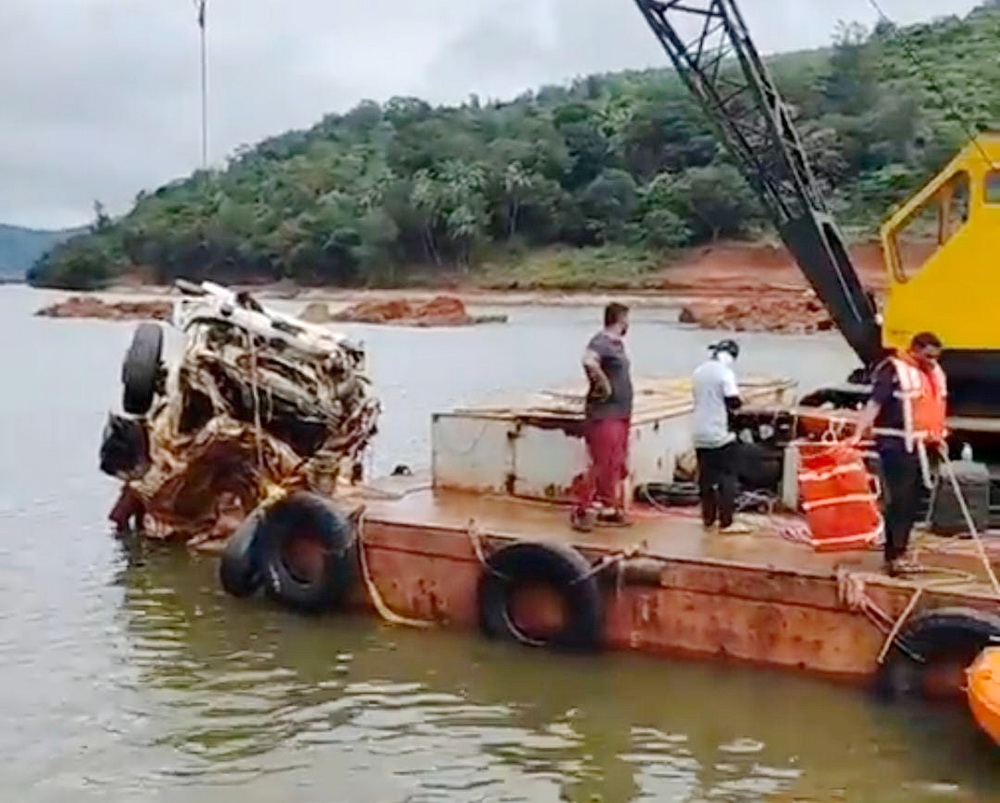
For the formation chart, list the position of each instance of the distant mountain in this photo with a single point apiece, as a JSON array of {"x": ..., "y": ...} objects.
[{"x": 20, "y": 248}]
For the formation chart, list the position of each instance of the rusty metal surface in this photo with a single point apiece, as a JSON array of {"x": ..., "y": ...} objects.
[
  {"x": 757, "y": 598},
  {"x": 220, "y": 436},
  {"x": 531, "y": 446}
]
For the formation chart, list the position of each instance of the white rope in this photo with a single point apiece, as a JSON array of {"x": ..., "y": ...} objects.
[{"x": 973, "y": 530}]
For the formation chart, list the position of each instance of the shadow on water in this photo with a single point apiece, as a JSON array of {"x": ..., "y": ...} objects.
[{"x": 433, "y": 715}]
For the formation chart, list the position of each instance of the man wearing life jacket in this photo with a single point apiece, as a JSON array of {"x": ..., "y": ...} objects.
[{"x": 906, "y": 414}]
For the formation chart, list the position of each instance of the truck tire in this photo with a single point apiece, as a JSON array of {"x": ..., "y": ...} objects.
[{"x": 141, "y": 369}]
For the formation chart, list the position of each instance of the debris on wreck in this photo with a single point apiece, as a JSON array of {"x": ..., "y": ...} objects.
[
  {"x": 257, "y": 404},
  {"x": 438, "y": 311},
  {"x": 93, "y": 307}
]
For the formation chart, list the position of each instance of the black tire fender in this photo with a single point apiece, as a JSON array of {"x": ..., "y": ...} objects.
[
  {"x": 308, "y": 513},
  {"x": 240, "y": 565},
  {"x": 673, "y": 494},
  {"x": 956, "y": 633},
  {"x": 141, "y": 368},
  {"x": 559, "y": 565}
]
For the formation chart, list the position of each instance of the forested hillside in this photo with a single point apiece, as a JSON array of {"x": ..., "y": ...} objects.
[{"x": 624, "y": 163}]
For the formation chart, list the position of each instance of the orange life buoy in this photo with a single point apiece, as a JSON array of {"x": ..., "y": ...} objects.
[{"x": 983, "y": 691}]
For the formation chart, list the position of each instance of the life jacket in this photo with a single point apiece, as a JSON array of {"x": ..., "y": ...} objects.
[
  {"x": 838, "y": 496},
  {"x": 923, "y": 397}
]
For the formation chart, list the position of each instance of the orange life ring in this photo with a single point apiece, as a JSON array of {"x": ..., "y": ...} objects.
[{"x": 983, "y": 691}]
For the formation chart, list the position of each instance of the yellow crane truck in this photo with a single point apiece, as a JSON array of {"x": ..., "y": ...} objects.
[{"x": 941, "y": 248}]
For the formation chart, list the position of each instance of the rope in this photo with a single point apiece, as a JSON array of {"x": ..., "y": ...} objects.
[
  {"x": 615, "y": 559},
  {"x": 376, "y": 597},
  {"x": 900, "y": 621},
  {"x": 254, "y": 387},
  {"x": 475, "y": 538},
  {"x": 853, "y": 593},
  {"x": 605, "y": 562},
  {"x": 980, "y": 547}
]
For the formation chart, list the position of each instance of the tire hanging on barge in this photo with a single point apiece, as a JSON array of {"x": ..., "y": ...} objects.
[
  {"x": 240, "y": 565},
  {"x": 947, "y": 640},
  {"x": 301, "y": 550},
  {"x": 553, "y": 566}
]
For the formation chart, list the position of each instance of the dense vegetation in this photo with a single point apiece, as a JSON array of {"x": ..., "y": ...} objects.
[
  {"x": 626, "y": 163},
  {"x": 20, "y": 248}
]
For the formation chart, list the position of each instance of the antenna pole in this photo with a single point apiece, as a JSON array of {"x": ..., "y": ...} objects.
[{"x": 200, "y": 5}]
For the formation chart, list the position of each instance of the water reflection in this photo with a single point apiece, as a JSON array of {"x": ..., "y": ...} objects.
[
  {"x": 125, "y": 675},
  {"x": 252, "y": 691}
]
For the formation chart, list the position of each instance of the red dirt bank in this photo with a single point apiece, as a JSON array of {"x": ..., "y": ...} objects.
[
  {"x": 746, "y": 288},
  {"x": 91, "y": 307},
  {"x": 439, "y": 311}
]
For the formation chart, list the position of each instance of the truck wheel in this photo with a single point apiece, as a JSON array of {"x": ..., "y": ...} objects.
[{"x": 141, "y": 369}]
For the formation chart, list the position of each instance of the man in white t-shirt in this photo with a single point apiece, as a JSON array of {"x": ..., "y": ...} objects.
[{"x": 716, "y": 396}]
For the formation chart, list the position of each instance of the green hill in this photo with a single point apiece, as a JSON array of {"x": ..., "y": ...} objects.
[
  {"x": 20, "y": 248},
  {"x": 623, "y": 163}
]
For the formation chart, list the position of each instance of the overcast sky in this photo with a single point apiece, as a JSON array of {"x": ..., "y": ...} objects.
[{"x": 99, "y": 98}]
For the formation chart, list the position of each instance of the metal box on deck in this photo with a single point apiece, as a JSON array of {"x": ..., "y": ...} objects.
[{"x": 532, "y": 447}]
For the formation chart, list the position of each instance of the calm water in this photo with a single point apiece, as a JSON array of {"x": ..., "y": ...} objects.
[{"x": 125, "y": 674}]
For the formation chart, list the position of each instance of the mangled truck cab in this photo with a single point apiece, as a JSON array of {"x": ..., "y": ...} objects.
[{"x": 257, "y": 400}]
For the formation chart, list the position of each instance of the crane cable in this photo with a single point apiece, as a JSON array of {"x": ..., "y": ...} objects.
[{"x": 931, "y": 82}]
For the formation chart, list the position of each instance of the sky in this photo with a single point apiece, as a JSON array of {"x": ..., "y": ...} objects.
[{"x": 99, "y": 99}]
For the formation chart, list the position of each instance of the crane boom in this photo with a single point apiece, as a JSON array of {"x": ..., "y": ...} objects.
[{"x": 724, "y": 72}]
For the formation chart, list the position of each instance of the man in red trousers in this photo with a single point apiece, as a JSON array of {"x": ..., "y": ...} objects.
[{"x": 608, "y": 415}]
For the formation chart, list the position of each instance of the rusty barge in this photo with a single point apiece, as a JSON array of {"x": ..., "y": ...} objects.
[
  {"x": 483, "y": 543},
  {"x": 249, "y": 445},
  {"x": 666, "y": 585}
]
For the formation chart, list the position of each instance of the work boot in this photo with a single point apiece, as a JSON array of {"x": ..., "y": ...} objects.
[
  {"x": 736, "y": 528},
  {"x": 614, "y": 518},
  {"x": 582, "y": 520}
]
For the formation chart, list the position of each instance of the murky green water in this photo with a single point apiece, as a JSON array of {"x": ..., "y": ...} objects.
[{"x": 125, "y": 674}]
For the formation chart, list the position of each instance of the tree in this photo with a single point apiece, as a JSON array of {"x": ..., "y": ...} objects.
[
  {"x": 851, "y": 86},
  {"x": 607, "y": 205},
  {"x": 715, "y": 200},
  {"x": 384, "y": 190}
]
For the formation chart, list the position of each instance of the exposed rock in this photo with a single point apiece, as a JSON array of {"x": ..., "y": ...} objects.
[
  {"x": 803, "y": 314},
  {"x": 92, "y": 307},
  {"x": 439, "y": 311},
  {"x": 316, "y": 312}
]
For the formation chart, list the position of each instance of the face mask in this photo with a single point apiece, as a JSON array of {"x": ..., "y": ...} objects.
[{"x": 724, "y": 357}]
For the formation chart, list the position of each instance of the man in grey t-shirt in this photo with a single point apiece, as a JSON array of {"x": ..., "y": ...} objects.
[
  {"x": 716, "y": 395},
  {"x": 607, "y": 421}
]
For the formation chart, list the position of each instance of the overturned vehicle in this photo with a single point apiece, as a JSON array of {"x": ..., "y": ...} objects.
[{"x": 258, "y": 406}]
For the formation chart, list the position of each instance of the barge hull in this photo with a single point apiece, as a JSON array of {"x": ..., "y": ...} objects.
[{"x": 759, "y": 599}]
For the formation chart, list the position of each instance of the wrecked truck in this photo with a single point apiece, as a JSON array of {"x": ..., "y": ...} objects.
[{"x": 257, "y": 405}]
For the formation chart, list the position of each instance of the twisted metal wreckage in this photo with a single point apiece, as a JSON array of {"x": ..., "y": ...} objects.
[{"x": 259, "y": 403}]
